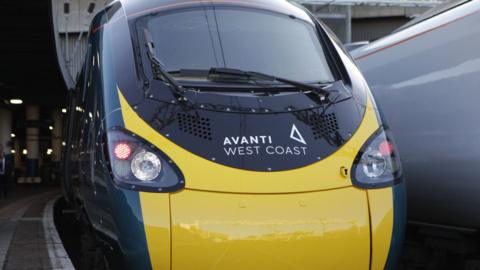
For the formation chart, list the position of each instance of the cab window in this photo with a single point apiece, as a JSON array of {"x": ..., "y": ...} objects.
[{"x": 238, "y": 38}]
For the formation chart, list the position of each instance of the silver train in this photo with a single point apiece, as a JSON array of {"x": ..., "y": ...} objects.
[{"x": 426, "y": 78}]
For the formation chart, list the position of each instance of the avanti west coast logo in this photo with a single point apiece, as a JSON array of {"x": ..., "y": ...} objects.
[
  {"x": 296, "y": 135},
  {"x": 254, "y": 145}
]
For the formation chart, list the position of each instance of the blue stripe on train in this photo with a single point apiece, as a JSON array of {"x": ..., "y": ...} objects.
[
  {"x": 399, "y": 223},
  {"x": 131, "y": 233}
]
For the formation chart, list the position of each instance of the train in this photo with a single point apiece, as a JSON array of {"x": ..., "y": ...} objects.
[
  {"x": 228, "y": 135},
  {"x": 426, "y": 78}
]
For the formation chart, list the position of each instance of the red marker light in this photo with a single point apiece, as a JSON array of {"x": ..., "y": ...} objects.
[
  {"x": 122, "y": 151},
  {"x": 385, "y": 148}
]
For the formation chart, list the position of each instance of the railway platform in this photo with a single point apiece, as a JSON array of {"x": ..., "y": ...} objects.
[{"x": 28, "y": 237}]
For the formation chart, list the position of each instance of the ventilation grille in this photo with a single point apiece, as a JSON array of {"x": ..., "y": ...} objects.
[
  {"x": 324, "y": 126},
  {"x": 195, "y": 125}
]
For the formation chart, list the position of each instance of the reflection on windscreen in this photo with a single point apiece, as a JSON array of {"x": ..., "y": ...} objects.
[{"x": 239, "y": 38}]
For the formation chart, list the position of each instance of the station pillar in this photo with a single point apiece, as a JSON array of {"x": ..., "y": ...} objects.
[
  {"x": 57, "y": 136},
  {"x": 5, "y": 130},
  {"x": 32, "y": 115},
  {"x": 17, "y": 160}
]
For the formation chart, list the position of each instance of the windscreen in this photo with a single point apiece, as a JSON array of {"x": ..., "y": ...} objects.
[{"x": 238, "y": 38}]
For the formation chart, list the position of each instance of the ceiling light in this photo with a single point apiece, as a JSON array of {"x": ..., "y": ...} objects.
[{"x": 16, "y": 101}]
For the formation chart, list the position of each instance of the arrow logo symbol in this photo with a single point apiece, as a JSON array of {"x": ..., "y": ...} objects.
[{"x": 296, "y": 135}]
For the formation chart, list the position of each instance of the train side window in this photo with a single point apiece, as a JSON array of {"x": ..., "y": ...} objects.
[
  {"x": 87, "y": 70},
  {"x": 92, "y": 88}
]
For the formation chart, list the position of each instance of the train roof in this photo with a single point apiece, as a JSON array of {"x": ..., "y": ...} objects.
[
  {"x": 433, "y": 20},
  {"x": 138, "y": 8}
]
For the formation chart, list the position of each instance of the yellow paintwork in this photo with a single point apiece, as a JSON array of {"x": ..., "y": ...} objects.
[
  {"x": 315, "y": 230},
  {"x": 156, "y": 217},
  {"x": 381, "y": 218},
  {"x": 203, "y": 174},
  {"x": 227, "y": 218}
]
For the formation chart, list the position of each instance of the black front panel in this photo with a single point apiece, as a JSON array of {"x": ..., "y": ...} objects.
[{"x": 256, "y": 141}]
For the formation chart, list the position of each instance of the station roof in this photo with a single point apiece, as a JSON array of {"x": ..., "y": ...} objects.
[{"x": 28, "y": 65}]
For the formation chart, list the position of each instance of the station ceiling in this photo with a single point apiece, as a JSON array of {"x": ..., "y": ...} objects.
[{"x": 28, "y": 63}]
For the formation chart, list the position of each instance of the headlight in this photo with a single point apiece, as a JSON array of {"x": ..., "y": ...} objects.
[
  {"x": 373, "y": 163},
  {"x": 136, "y": 164},
  {"x": 146, "y": 166},
  {"x": 377, "y": 164}
]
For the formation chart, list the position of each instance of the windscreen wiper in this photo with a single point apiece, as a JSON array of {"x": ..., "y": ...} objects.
[
  {"x": 266, "y": 77},
  {"x": 158, "y": 68}
]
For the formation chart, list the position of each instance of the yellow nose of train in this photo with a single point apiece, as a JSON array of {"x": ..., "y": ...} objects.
[{"x": 312, "y": 217}]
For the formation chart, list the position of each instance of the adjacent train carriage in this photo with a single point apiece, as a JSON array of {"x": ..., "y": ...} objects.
[{"x": 426, "y": 78}]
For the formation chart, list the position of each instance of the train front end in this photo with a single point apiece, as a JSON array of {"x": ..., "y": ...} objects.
[{"x": 238, "y": 135}]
